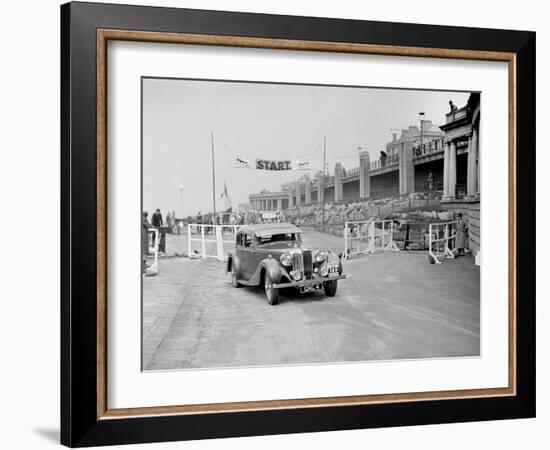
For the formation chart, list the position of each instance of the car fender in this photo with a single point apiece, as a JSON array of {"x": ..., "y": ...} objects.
[
  {"x": 272, "y": 268},
  {"x": 334, "y": 258},
  {"x": 233, "y": 260}
]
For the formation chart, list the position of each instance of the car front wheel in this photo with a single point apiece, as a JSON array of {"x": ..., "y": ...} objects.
[
  {"x": 271, "y": 294},
  {"x": 330, "y": 288}
]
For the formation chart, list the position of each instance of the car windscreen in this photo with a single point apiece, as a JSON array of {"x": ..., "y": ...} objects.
[{"x": 280, "y": 237}]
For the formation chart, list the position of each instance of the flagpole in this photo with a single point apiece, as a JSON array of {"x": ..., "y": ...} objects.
[
  {"x": 213, "y": 179},
  {"x": 323, "y": 183}
]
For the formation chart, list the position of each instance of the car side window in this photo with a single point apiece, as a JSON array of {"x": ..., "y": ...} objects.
[{"x": 247, "y": 240}]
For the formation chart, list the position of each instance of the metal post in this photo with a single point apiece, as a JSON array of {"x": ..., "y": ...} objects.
[
  {"x": 188, "y": 239},
  {"x": 181, "y": 198},
  {"x": 219, "y": 242},
  {"x": 203, "y": 244},
  {"x": 446, "y": 249},
  {"x": 213, "y": 180},
  {"x": 346, "y": 236}
]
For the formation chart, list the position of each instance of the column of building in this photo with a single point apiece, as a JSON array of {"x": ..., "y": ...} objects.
[
  {"x": 298, "y": 193},
  {"x": 452, "y": 170},
  {"x": 406, "y": 166},
  {"x": 338, "y": 186},
  {"x": 473, "y": 166},
  {"x": 364, "y": 174},
  {"x": 446, "y": 154},
  {"x": 449, "y": 171},
  {"x": 307, "y": 182}
]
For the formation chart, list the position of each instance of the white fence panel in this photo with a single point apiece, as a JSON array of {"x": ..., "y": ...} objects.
[
  {"x": 154, "y": 268},
  {"x": 442, "y": 239},
  {"x": 368, "y": 236},
  {"x": 213, "y": 241}
]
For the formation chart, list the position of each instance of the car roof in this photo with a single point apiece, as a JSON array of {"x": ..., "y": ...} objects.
[{"x": 267, "y": 229}]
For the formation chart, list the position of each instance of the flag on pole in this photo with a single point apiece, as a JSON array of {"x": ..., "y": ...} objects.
[
  {"x": 224, "y": 193},
  {"x": 301, "y": 164},
  {"x": 242, "y": 162}
]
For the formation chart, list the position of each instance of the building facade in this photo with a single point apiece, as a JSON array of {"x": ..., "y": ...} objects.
[{"x": 440, "y": 160}]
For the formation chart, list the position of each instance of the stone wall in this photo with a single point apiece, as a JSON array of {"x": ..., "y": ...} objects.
[
  {"x": 470, "y": 209},
  {"x": 351, "y": 191},
  {"x": 385, "y": 185},
  {"x": 329, "y": 194}
]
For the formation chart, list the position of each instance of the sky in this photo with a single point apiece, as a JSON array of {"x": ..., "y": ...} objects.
[{"x": 267, "y": 121}]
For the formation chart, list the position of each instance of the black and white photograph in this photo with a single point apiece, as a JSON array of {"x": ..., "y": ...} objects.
[{"x": 288, "y": 224}]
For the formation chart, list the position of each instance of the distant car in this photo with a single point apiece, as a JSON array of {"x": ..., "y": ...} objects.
[{"x": 272, "y": 255}]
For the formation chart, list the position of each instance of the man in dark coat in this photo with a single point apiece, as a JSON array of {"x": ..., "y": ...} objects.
[{"x": 157, "y": 222}]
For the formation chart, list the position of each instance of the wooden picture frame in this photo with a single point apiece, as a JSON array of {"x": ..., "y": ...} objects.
[{"x": 85, "y": 416}]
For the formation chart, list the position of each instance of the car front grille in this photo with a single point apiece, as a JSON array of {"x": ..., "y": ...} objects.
[
  {"x": 303, "y": 262},
  {"x": 298, "y": 262},
  {"x": 308, "y": 264}
]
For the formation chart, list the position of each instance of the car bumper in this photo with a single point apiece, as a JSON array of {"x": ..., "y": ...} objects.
[{"x": 312, "y": 282}]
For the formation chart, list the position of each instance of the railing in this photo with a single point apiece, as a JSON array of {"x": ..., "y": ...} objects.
[
  {"x": 429, "y": 147},
  {"x": 351, "y": 173},
  {"x": 384, "y": 162}
]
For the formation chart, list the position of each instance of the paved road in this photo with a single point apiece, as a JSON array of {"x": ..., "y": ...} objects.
[{"x": 393, "y": 306}]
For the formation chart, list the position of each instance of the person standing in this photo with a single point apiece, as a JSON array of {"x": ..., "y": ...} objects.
[
  {"x": 157, "y": 223},
  {"x": 145, "y": 225},
  {"x": 430, "y": 182},
  {"x": 461, "y": 230},
  {"x": 169, "y": 220}
]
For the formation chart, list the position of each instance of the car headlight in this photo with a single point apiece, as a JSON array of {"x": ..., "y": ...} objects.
[
  {"x": 297, "y": 275},
  {"x": 286, "y": 259},
  {"x": 321, "y": 255},
  {"x": 324, "y": 270}
]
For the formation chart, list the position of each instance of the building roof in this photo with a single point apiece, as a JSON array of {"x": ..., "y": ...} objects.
[{"x": 267, "y": 229}]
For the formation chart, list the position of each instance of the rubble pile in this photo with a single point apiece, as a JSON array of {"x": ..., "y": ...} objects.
[{"x": 415, "y": 208}]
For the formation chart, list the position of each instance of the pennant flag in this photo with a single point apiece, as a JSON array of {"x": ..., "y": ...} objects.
[
  {"x": 242, "y": 162},
  {"x": 301, "y": 164},
  {"x": 224, "y": 193}
]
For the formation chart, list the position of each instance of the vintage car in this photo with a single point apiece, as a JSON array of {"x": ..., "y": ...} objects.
[{"x": 272, "y": 255}]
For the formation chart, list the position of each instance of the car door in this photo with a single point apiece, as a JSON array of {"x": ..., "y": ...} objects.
[{"x": 246, "y": 256}]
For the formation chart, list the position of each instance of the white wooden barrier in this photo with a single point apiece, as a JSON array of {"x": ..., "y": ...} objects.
[
  {"x": 442, "y": 240},
  {"x": 209, "y": 234},
  {"x": 154, "y": 268},
  {"x": 368, "y": 236}
]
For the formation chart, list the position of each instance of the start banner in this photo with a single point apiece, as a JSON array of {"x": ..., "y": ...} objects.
[{"x": 273, "y": 165}]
